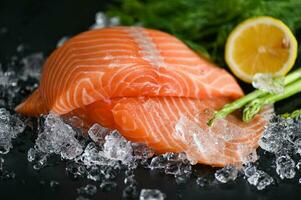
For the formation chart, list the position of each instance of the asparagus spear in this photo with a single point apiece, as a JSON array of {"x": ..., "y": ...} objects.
[
  {"x": 255, "y": 106},
  {"x": 229, "y": 108}
]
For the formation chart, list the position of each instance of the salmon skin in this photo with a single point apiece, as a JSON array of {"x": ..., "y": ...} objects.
[{"x": 150, "y": 86}]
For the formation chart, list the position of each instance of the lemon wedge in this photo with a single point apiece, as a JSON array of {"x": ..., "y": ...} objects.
[{"x": 260, "y": 45}]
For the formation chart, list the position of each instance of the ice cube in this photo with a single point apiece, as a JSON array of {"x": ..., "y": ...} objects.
[
  {"x": 151, "y": 194},
  {"x": 76, "y": 169},
  {"x": 87, "y": 190},
  {"x": 278, "y": 136},
  {"x": 228, "y": 173},
  {"x": 94, "y": 156},
  {"x": 116, "y": 147},
  {"x": 58, "y": 138},
  {"x": 108, "y": 186},
  {"x": 285, "y": 167},
  {"x": 175, "y": 164},
  {"x": 249, "y": 169},
  {"x": 268, "y": 83},
  {"x": 142, "y": 151},
  {"x": 158, "y": 162},
  {"x": 102, "y": 20},
  {"x": 260, "y": 179},
  {"x": 97, "y": 133},
  {"x": 94, "y": 173}
]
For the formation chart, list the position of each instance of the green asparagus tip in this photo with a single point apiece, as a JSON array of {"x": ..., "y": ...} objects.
[{"x": 252, "y": 109}]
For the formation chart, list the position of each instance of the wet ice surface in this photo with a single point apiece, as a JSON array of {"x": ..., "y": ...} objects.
[{"x": 268, "y": 83}]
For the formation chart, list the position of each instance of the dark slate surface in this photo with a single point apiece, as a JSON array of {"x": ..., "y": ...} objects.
[{"x": 39, "y": 25}]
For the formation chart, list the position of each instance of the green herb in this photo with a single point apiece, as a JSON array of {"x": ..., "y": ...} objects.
[
  {"x": 295, "y": 114},
  {"x": 259, "y": 98},
  {"x": 203, "y": 24}
]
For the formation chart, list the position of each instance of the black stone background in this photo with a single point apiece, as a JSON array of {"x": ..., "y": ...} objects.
[{"x": 39, "y": 25}]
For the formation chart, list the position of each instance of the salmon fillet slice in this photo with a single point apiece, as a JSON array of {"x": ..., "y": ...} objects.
[
  {"x": 109, "y": 63},
  {"x": 152, "y": 88}
]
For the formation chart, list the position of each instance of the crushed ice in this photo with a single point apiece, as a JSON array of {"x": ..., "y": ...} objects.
[
  {"x": 10, "y": 127},
  {"x": 257, "y": 178},
  {"x": 268, "y": 83}
]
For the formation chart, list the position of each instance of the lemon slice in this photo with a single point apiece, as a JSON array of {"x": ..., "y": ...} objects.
[{"x": 260, "y": 45}]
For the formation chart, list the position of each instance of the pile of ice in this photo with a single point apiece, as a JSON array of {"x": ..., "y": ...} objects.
[
  {"x": 55, "y": 138},
  {"x": 10, "y": 127},
  {"x": 106, "y": 147},
  {"x": 283, "y": 138}
]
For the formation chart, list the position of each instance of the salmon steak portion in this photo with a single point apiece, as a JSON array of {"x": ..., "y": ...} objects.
[{"x": 151, "y": 87}]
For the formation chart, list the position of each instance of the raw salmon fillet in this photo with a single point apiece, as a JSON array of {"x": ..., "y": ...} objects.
[{"x": 151, "y": 87}]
